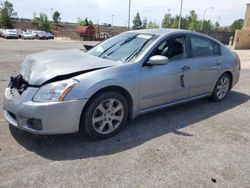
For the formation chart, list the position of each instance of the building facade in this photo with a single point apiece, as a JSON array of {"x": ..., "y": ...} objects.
[{"x": 242, "y": 37}]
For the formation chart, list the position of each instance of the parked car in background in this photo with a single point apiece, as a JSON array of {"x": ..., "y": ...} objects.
[
  {"x": 10, "y": 34},
  {"x": 136, "y": 72},
  {"x": 107, "y": 25},
  {"x": 49, "y": 35},
  {"x": 42, "y": 35},
  {"x": 1, "y": 32},
  {"x": 27, "y": 35},
  {"x": 104, "y": 35},
  {"x": 34, "y": 32},
  {"x": 19, "y": 32}
]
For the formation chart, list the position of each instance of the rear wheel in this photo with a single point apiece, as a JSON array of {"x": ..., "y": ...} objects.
[
  {"x": 105, "y": 115},
  {"x": 221, "y": 88}
]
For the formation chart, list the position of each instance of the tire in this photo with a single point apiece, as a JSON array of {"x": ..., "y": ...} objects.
[
  {"x": 105, "y": 115},
  {"x": 221, "y": 88}
]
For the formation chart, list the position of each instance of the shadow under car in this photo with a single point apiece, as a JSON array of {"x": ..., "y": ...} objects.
[{"x": 137, "y": 132}]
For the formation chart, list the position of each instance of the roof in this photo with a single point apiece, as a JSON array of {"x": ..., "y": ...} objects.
[
  {"x": 162, "y": 32},
  {"x": 157, "y": 31}
]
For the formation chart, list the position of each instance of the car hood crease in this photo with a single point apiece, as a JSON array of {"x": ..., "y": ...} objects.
[{"x": 41, "y": 67}]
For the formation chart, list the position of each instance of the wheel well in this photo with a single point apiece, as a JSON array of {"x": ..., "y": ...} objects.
[
  {"x": 117, "y": 89},
  {"x": 230, "y": 76}
]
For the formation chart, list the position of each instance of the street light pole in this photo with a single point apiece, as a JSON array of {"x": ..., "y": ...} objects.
[
  {"x": 203, "y": 18},
  {"x": 219, "y": 18},
  {"x": 112, "y": 20},
  {"x": 51, "y": 10},
  {"x": 129, "y": 10},
  {"x": 179, "y": 25}
]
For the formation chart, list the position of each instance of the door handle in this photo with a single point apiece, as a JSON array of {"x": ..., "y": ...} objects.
[
  {"x": 182, "y": 80},
  {"x": 184, "y": 69},
  {"x": 217, "y": 63}
]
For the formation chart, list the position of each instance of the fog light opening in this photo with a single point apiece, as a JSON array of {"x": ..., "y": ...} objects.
[{"x": 35, "y": 124}]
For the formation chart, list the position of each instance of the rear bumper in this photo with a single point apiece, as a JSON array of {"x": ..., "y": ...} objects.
[
  {"x": 11, "y": 36},
  {"x": 236, "y": 77},
  {"x": 42, "y": 38},
  {"x": 42, "y": 118},
  {"x": 28, "y": 37}
]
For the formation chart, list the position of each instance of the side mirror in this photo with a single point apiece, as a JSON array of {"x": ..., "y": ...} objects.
[
  {"x": 158, "y": 60},
  {"x": 88, "y": 47}
]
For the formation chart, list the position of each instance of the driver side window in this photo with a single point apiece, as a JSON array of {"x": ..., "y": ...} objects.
[{"x": 174, "y": 48}]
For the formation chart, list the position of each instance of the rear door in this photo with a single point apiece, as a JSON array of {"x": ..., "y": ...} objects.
[{"x": 205, "y": 64}]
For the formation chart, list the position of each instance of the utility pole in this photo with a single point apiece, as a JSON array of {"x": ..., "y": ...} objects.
[
  {"x": 51, "y": 11},
  {"x": 219, "y": 18},
  {"x": 112, "y": 20},
  {"x": 179, "y": 25},
  {"x": 129, "y": 11}
]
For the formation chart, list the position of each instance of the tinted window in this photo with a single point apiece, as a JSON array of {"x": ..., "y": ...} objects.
[
  {"x": 202, "y": 47},
  {"x": 216, "y": 48},
  {"x": 173, "y": 48}
]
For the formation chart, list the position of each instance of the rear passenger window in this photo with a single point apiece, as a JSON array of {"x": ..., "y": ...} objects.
[
  {"x": 216, "y": 48},
  {"x": 202, "y": 47}
]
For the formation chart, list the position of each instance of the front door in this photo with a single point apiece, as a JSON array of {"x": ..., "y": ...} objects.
[{"x": 162, "y": 84}]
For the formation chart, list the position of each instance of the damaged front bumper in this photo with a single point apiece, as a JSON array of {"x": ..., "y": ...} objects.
[{"x": 41, "y": 118}]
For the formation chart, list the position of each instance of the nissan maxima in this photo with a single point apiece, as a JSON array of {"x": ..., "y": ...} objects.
[{"x": 136, "y": 72}]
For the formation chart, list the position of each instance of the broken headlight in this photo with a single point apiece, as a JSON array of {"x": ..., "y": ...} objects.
[{"x": 54, "y": 92}]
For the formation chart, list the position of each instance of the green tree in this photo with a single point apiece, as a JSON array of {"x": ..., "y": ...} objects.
[
  {"x": 152, "y": 25},
  {"x": 208, "y": 25},
  {"x": 175, "y": 22},
  {"x": 237, "y": 24},
  {"x": 56, "y": 17},
  {"x": 7, "y": 12},
  {"x": 41, "y": 22},
  {"x": 224, "y": 29},
  {"x": 137, "y": 23},
  {"x": 83, "y": 22},
  {"x": 192, "y": 21},
  {"x": 44, "y": 22},
  {"x": 90, "y": 22},
  {"x": 144, "y": 23},
  {"x": 217, "y": 26},
  {"x": 167, "y": 21}
]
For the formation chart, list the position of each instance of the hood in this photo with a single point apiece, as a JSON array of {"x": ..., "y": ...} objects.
[{"x": 44, "y": 66}]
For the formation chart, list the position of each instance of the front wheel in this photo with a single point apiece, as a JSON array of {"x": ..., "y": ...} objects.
[
  {"x": 221, "y": 88},
  {"x": 105, "y": 115}
]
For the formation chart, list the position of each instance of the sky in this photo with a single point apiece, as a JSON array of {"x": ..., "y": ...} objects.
[{"x": 101, "y": 11}]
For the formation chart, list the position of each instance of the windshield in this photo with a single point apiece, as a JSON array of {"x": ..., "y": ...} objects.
[
  {"x": 11, "y": 31},
  {"x": 123, "y": 47}
]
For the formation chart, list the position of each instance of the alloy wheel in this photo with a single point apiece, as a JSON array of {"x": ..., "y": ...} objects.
[
  {"x": 222, "y": 87},
  {"x": 108, "y": 116}
]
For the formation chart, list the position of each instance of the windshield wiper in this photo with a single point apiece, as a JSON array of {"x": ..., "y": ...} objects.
[
  {"x": 136, "y": 52},
  {"x": 125, "y": 42},
  {"x": 108, "y": 49}
]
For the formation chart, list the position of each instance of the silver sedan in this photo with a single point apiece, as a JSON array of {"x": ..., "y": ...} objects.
[{"x": 64, "y": 91}]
